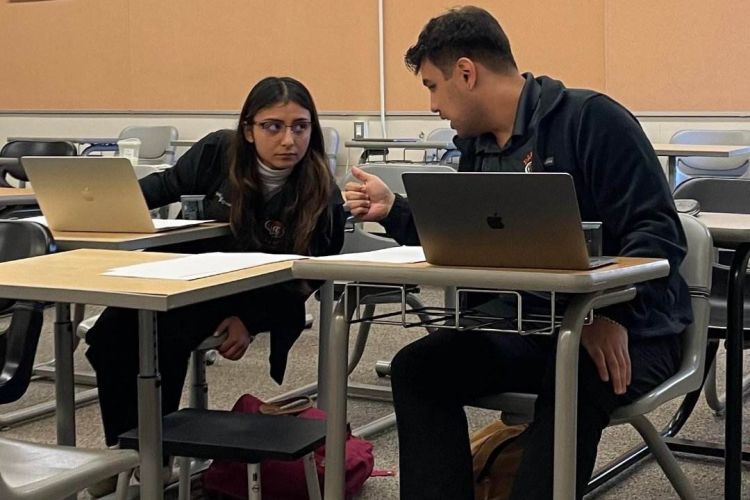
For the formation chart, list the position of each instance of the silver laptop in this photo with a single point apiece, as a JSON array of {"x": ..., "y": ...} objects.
[
  {"x": 515, "y": 220},
  {"x": 98, "y": 194}
]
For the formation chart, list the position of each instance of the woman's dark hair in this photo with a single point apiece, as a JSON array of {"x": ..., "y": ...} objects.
[
  {"x": 309, "y": 186},
  {"x": 462, "y": 32}
]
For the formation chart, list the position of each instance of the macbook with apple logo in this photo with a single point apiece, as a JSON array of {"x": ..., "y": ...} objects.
[
  {"x": 92, "y": 194},
  {"x": 499, "y": 219}
]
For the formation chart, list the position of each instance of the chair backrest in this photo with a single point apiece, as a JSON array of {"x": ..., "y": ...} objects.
[
  {"x": 438, "y": 134},
  {"x": 717, "y": 194},
  {"x": 331, "y": 140},
  {"x": 18, "y": 240},
  {"x": 156, "y": 142},
  {"x": 357, "y": 239},
  {"x": 696, "y": 270},
  {"x": 17, "y": 149},
  {"x": 724, "y": 167}
]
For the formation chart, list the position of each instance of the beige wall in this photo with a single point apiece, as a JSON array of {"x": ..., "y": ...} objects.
[
  {"x": 678, "y": 54},
  {"x": 204, "y": 55}
]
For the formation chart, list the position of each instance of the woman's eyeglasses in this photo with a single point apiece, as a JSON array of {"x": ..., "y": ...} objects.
[{"x": 275, "y": 127}]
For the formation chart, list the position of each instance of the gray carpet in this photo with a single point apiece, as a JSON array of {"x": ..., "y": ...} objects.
[{"x": 228, "y": 380}]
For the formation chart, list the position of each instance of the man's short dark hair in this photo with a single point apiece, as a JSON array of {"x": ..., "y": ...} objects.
[{"x": 462, "y": 32}]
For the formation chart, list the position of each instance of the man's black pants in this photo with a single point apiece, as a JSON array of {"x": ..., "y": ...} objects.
[{"x": 434, "y": 377}]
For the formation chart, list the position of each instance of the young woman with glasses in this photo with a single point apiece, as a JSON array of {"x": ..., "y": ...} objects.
[{"x": 269, "y": 179}]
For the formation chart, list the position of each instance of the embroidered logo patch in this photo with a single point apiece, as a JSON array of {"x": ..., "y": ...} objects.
[
  {"x": 274, "y": 228},
  {"x": 527, "y": 161}
]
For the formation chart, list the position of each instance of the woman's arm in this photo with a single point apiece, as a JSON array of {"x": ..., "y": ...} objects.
[{"x": 194, "y": 173}]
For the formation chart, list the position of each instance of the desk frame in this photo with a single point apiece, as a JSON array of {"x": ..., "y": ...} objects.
[
  {"x": 591, "y": 291},
  {"x": 29, "y": 279},
  {"x": 64, "y": 326}
]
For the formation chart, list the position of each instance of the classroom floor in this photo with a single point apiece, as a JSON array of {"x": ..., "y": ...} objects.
[{"x": 229, "y": 379}]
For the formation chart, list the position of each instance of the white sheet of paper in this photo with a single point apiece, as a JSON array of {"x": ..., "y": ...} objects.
[
  {"x": 394, "y": 255},
  {"x": 39, "y": 219},
  {"x": 158, "y": 223},
  {"x": 177, "y": 223},
  {"x": 199, "y": 266}
]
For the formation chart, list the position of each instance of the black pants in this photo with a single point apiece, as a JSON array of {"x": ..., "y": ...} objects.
[
  {"x": 113, "y": 349},
  {"x": 434, "y": 377}
]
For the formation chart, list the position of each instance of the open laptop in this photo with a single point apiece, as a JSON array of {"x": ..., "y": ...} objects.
[
  {"x": 498, "y": 219},
  {"x": 97, "y": 194}
]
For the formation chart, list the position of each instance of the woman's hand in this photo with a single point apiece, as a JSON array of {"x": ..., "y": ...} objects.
[
  {"x": 238, "y": 338},
  {"x": 370, "y": 199}
]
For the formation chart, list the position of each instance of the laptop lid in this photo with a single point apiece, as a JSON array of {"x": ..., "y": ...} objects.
[
  {"x": 498, "y": 219},
  {"x": 98, "y": 194}
]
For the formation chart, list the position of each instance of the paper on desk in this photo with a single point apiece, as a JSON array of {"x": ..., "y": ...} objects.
[
  {"x": 39, "y": 219},
  {"x": 394, "y": 255},
  {"x": 199, "y": 266},
  {"x": 159, "y": 224}
]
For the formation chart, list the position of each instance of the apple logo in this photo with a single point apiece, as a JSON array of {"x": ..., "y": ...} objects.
[
  {"x": 87, "y": 194},
  {"x": 495, "y": 221}
]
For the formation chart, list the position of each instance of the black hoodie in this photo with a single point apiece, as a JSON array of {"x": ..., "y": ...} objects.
[{"x": 618, "y": 181}]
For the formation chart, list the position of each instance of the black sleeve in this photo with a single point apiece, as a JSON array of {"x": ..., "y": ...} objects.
[
  {"x": 631, "y": 194},
  {"x": 333, "y": 226},
  {"x": 194, "y": 173},
  {"x": 399, "y": 223}
]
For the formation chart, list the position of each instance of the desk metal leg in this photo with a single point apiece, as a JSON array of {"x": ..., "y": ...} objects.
[
  {"x": 336, "y": 381},
  {"x": 566, "y": 386},
  {"x": 566, "y": 398},
  {"x": 324, "y": 333},
  {"x": 64, "y": 383},
  {"x": 149, "y": 408},
  {"x": 735, "y": 322}
]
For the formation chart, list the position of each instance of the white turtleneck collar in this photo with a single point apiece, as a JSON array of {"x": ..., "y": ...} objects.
[{"x": 272, "y": 179}]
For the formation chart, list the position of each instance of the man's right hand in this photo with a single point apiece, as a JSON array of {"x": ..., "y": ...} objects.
[{"x": 370, "y": 199}]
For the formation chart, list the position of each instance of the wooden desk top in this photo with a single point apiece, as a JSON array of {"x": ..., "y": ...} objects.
[
  {"x": 727, "y": 230},
  {"x": 139, "y": 241},
  {"x": 625, "y": 272},
  {"x": 700, "y": 150},
  {"x": 75, "y": 277},
  {"x": 17, "y": 196}
]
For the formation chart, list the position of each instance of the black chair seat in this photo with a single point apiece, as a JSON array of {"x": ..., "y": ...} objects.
[{"x": 241, "y": 437}]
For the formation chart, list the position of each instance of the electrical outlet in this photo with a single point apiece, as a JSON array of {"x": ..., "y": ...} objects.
[{"x": 360, "y": 130}]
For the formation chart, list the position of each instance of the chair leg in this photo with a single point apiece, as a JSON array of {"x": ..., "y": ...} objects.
[
  {"x": 709, "y": 391},
  {"x": 361, "y": 340},
  {"x": 199, "y": 386},
  {"x": 311, "y": 476},
  {"x": 664, "y": 457},
  {"x": 123, "y": 482},
  {"x": 183, "y": 490},
  {"x": 253, "y": 481}
]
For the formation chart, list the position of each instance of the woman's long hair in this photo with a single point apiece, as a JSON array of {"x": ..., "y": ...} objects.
[{"x": 311, "y": 181}]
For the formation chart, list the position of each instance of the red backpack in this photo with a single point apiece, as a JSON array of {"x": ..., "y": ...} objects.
[{"x": 286, "y": 479}]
